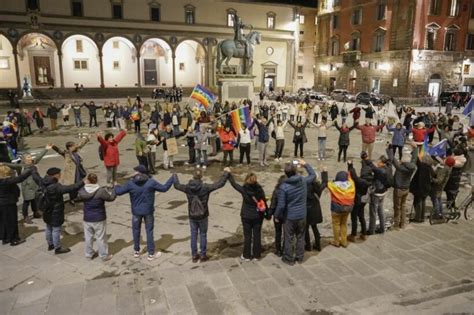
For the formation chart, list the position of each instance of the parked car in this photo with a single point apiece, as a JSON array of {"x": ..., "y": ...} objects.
[
  {"x": 318, "y": 98},
  {"x": 342, "y": 95},
  {"x": 445, "y": 97},
  {"x": 366, "y": 98}
]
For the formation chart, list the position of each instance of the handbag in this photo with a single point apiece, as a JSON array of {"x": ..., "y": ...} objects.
[{"x": 366, "y": 198}]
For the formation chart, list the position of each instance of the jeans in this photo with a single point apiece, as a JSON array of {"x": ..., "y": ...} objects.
[
  {"x": 78, "y": 120},
  {"x": 245, "y": 150},
  {"x": 358, "y": 213},
  {"x": 97, "y": 230},
  {"x": 278, "y": 234},
  {"x": 93, "y": 118},
  {"x": 25, "y": 207},
  {"x": 252, "y": 234},
  {"x": 230, "y": 155},
  {"x": 137, "y": 226},
  {"x": 280, "y": 144},
  {"x": 192, "y": 155},
  {"x": 198, "y": 227},
  {"x": 137, "y": 125},
  {"x": 376, "y": 208},
  {"x": 299, "y": 145},
  {"x": 176, "y": 129},
  {"x": 201, "y": 157},
  {"x": 399, "y": 201},
  {"x": 262, "y": 152},
  {"x": 53, "y": 236},
  {"x": 322, "y": 147},
  {"x": 143, "y": 160},
  {"x": 111, "y": 174},
  {"x": 339, "y": 227},
  {"x": 294, "y": 229},
  {"x": 437, "y": 205}
]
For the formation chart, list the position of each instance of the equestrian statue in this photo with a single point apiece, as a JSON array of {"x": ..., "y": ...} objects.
[{"x": 242, "y": 46}]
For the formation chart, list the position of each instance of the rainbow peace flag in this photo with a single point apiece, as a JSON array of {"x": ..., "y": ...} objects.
[
  {"x": 423, "y": 149},
  {"x": 241, "y": 116},
  {"x": 203, "y": 96},
  {"x": 342, "y": 193}
]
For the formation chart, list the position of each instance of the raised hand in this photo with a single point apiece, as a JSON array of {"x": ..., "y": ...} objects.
[{"x": 49, "y": 146}]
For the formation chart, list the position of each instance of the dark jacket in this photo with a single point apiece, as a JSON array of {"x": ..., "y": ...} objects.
[
  {"x": 249, "y": 192},
  {"x": 403, "y": 171},
  {"x": 420, "y": 185},
  {"x": 313, "y": 195},
  {"x": 9, "y": 191},
  {"x": 142, "y": 190},
  {"x": 380, "y": 178},
  {"x": 292, "y": 196},
  {"x": 94, "y": 198},
  {"x": 263, "y": 136},
  {"x": 54, "y": 212},
  {"x": 300, "y": 133},
  {"x": 52, "y": 112},
  {"x": 197, "y": 188},
  {"x": 438, "y": 182},
  {"x": 363, "y": 181},
  {"x": 344, "y": 134},
  {"x": 274, "y": 201}
]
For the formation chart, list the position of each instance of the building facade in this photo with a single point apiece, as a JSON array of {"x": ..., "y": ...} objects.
[
  {"x": 403, "y": 48},
  {"x": 141, "y": 43}
]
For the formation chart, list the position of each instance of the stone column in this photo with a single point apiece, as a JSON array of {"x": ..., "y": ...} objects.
[
  {"x": 17, "y": 71},
  {"x": 139, "y": 76},
  {"x": 173, "y": 56},
  {"x": 101, "y": 70},
  {"x": 61, "y": 75}
]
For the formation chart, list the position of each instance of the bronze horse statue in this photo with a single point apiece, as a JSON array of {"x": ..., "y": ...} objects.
[{"x": 228, "y": 49}]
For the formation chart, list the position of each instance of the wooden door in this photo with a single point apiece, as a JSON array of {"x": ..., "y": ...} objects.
[
  {"x": 42, "y": 68},
  {"x": 151, "y": 75}
]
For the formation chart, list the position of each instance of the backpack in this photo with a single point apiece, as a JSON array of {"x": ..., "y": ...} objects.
[
  {"x": 196, "y": 209},
  {"x": 101, "y": 152},
  {"x": 42, "y": 200}
]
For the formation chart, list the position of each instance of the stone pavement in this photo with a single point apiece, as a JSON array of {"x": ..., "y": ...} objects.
[{"x": 406, "y": 271}]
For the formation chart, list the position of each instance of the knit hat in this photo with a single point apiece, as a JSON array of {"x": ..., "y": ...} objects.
[
  {"x": 363, "y": 155},
  {"x": 341, "y": 176},
  {"x": 450, "y": 161},
  {"x": 140, "y": 169},
  {"x": 53, "y": 171}
]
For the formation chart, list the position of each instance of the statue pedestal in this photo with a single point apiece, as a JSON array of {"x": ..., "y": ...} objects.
[{"x": 235, "y": 87}]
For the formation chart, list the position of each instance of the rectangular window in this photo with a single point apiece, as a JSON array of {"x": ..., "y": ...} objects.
[
  {"x": 117, "y": 11},
  {"x": 315, "y": 20},
  {"x": 470, "y": 42},
  {"x": 155, "y": 14},
  {"x": 472, "y": 9},
  {"x": 79, "y": 47},
  {"x": 335, "y": 21},
  {"x": 116, "y": 65},
  {"x": 76, "y": 7},
  {"x": 334, "y": 48},
  {"x": 356, "y": 17},
  {"x": 301, "y": 45},
  {"x": 378, "y": 42},
  {"x": 32, "y": 5},
  {"x": 271, "y": 22},
  {"x": 115, "y": 44},
  {"x": 301, "y": 32},
  {"x": 450, "y": 42},
  {"x": 230, "y": 19},
  {"x": 467, "y": 69},
  {"x": 430, "y": 40},
  {"x": 300, "y": 69},
  {"x": 301, "y": 19},
  {"x": 381, "y": 8},
  {"x": 453, "y": 7},
  {"x": 4, "y": 63},
  {"x": 80, "y": 64},
  {"x": 189, "y": 16},
  {"x": 435, "y": 7}
]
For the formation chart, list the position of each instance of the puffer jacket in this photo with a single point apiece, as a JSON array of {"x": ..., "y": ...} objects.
[
  {"x": 9, "y": 191},
  {"x": 263, "y": 134},
  {"x": 398, "y": 137},
  {"x": 94, "y": 198},
  {"x": 380, "y": 178},
  {"x": 292, "y": 196},
  {"x": 420, "y": 185},
  {"x": 300, "y": 133},
  {"x": 344, "y": 134},
  {"x": 455, "y": 177},
  {"x": 362, "y": 182},
  {"x": 228, "y": 139},
  {"x": 53, "y": 214},
  {"x": 250, "y": 193},
  {"x": 142, "y": 190},
  {"x": 197, "y": 188},
  {"x": 111, "y": 151},
  {"x": 438, "y": 182}
]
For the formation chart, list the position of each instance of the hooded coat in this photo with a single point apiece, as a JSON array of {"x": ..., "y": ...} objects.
[
  {"x": 313, "y": 205},
  {"x": 293, "y": 195},
  {"x": 94, "y": 198},
  {"x": 249, "y": 192},
  {"x": 111, "y": 151},
  {"x": 142, "y": 190},
  {"x": 73, "y": 170},
  {"x": 196, "y": 187},
  {"x": 344, "y": 134},
  {"x": 438, "y": 182}
]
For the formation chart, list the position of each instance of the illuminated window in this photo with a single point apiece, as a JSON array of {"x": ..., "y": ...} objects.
[
  {"x": 453, "y": 7},
  {"x": 79, "y": 47},
  {"x": 80, "y": 64},
  {"x": 189, "y": 14},
  {"x": 271, "y": 20},
  {"x": 230, "y": 17},
  {"x": 431, "y": 34},
  {"x": 335, "y": 46},
  {"x": 301, "y": 19}
]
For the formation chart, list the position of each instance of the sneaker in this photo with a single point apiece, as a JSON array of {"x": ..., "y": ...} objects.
[
  {"x": 28, "y": 220},
  {"x": 204, "y": 167},
  {"x": 186, "y": 163},
  {"x": 351, "y": 238},
  {"x": 171, "y": 165},
  {"x": 61, "y": 250},
  {"x": 196, "y": 258},
  {"x": 265, "y": 163},
  {"x": 262, "y": 165},
  {"x": 136, "y": 254},
  {"x": 153, "y": 256},
  {"x": 204, "y": 258},
  {"x": 50, "y": 248},
  {"x": 107, "y": 258},
  {"x": 363, "y": 237},
  {"x": 242, "y": 258},
  {"x": 335, "y": 244}
]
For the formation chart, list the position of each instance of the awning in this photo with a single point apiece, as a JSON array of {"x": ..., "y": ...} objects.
[{"x": 468, "y": 81}]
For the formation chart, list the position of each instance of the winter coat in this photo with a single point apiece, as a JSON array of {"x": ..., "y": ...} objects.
[
  {"x": 263, "y": 135},
  {"x": 355, "y": 113},
  {"x": 73, "y": 170},
  {"x": 344, "y": 134},
  {"x": 420, "y": 185},
  {"x": 228, "y": 139},
  {"x": 293, "y": 195},
  {"x": 455, "y": 177},
  {"x": 250, "y": 193},
  {"x": 300, "y": 133},
  {"x": 197, "y": 188},
  {"x": 398, "y": 137},
  {"x": 110, "y": 149},
  {"x": 362, "y": 182},
  {"x": 202, "y": 140},
  {"x": 438, "y": 182},
  {"x": 94, "y": 198},
  {"x": 53, "y": 214},
  {"x": 52, "y": 112},
  {"x": 313, "y": 205},
  {"x": 141, "y": 148},
  {"x": 342, "y": 191},
  {"x": 334, "y": 111},
  {"x": 380, "y": 178},
  {"x": 369, "y": 112},
  {"x": 142, "y": 190},
  {"x": 419, "y": 134},
  {"x": 403, "y": 171},
  {"x": 9, "y": 191},
  {"x": 368, "y": 132},
  {"x": 29, "y": 186}
]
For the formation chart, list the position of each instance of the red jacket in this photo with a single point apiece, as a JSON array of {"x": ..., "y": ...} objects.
[
  {"x": 111, "y": 151},
  {"x": 368, "y": 132},
  {"x": 228, "y": 139},
  {"x": 419, "y": 134}
]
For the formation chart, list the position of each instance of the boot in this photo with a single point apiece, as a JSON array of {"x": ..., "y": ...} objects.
[
  {"x": 37, "y": 215},
  {"x": 62, "y": 250},
  {"x": 351, "y": 238},
  {"x": 27, "y": 220}
]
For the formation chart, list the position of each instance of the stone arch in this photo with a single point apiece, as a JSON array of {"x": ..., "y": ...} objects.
[
  {"x": 7, "y": 63},
  {"x": 156, "y": 61},
  {"x": 119, "y": 58},
  {"x": 190, "y": 62},
  {"x": 38, "y": 59},
  {"x": 81, "y": 61}
]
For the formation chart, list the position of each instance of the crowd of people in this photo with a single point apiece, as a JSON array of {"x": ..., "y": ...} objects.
[{"x": 295, "y": 202}]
